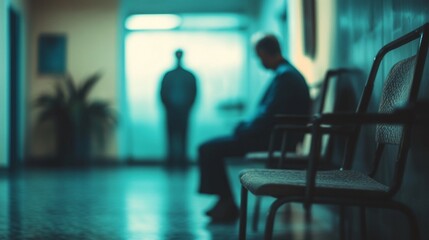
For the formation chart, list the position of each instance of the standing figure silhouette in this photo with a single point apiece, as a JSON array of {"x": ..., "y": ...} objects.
[{"x": 178, "y": 92}]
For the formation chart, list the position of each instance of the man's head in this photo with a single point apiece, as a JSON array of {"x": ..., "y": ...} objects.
[
  {"x": 179, "y": 54},
  {"x": 269, "y": 52}
]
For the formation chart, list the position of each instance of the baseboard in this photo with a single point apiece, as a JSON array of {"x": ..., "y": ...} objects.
[
  {"x": 56, "y": 162},
  {"x": 101, "y": 161}
]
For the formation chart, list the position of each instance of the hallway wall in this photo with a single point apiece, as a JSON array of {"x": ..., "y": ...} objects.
[
  {"x": 312, "y": 67},
  {"x": 91, "y": 29},
  {"x": 20, "y": 7},
  {"x": 4, "y": 83}
]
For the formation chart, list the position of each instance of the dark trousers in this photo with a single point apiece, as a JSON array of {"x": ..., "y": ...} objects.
[
  {"x": 211, "y": 160},
  {"x": 177, "y": 129}
]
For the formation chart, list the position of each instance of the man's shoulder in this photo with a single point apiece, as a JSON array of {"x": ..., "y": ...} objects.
[
  {"x": 168, "y": 73},
  {"x": 289, "y": 73},
  {"x": 177, "y": 72}
]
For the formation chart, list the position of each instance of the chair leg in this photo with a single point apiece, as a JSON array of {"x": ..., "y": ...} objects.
[
  {"x": 269, "y": 225},
  {"x": 308, "y": 222},
  {"x": 256, "y": 213},
  {"x": 363, "y": 230},
  {"x": 243, "y": 213},
  {"x": 342, "y": 223},
  {"x": 307, "y": 211},
  {"x": 412, "y": 220}
]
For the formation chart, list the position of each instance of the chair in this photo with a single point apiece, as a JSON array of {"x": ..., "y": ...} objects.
[
  {"x": 346, "y": 187},
  {"x": 343, "y": 100},
  {"x": 345, "y": 103}
]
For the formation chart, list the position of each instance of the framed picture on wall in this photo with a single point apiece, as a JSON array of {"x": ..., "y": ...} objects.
[
  {"x": 52, "y": 54},
  {"x": 309, "y": 14}
]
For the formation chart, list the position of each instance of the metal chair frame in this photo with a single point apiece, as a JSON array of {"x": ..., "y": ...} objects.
[
  {"x": 322, "y": 125},
  {"x": 284, "y": 160}
]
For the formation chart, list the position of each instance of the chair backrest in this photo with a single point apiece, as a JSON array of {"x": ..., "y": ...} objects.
[
  {"x": 396, "y": 91},
  {"x": 342, "y": 84},
  {"x": 338, "y": 93},
  {"x": 328, "y": 87},
  {"x": 400, "y": 87},
  {"x": 341, "y": 97}
]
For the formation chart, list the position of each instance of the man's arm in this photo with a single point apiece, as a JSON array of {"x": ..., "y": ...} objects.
[
  {"x": 164, "y": 90},
  {"x": 288, "y": 95}
]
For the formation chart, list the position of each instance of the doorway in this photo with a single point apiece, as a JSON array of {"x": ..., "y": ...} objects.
[{"x": 217, "y": 58}]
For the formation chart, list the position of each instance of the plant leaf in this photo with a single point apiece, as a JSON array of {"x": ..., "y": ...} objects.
[
  {"x": 59, "y": 93},
  {"x": 44, "y": 100},
  {"x": 101, "y": 111},
  {"x": 71, "y": 87},
  {"x": 87, "y": 85}
]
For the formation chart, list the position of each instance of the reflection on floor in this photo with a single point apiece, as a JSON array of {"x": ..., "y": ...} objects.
[{"x": 137, "y": 202}]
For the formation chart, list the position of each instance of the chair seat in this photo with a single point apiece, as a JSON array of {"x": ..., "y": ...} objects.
[
  {"x": 292, "y": 161},
  {"x": 279, "y": 183},
  {"x": 263, "y": 156}
]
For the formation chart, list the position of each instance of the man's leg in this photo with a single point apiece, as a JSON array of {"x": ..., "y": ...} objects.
[
  {"x": 213, "y": 175},
  {"x": 174, "y": 139},
  {"x": 183, "y": 140},
  {"x": 170, "y": 141}
]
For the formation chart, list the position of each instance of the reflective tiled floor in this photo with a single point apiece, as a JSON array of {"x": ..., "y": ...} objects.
[{"x": 133, "y": 202}]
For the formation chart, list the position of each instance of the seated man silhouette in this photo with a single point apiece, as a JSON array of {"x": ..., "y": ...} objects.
[
  {"x": 287, "y": 93},
  {"x": 178, "y": 92}
]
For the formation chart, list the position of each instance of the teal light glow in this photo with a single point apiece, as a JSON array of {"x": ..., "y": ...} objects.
[
  {"x": 152, "y": 22},
  {"x": 194, "y": 21}
]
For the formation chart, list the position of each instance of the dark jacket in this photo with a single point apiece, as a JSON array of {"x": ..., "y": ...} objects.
[
  {"x": 178, "y": 90},
  {"x": 288, "y": 93}
]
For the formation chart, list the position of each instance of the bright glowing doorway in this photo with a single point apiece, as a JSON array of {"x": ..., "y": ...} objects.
[{"x": 218, "y": 59}]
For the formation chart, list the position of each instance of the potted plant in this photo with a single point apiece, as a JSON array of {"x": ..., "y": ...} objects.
[{"x": 79, "y": 122}]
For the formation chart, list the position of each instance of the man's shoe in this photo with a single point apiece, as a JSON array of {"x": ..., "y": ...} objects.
[
  {"x": 224, "y": 213},
  {"x": 217, "y": 207}
]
